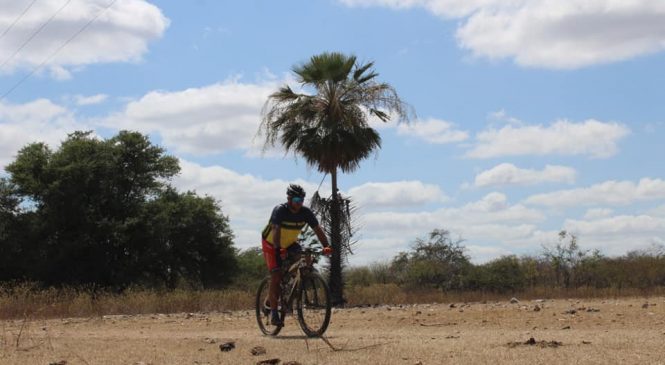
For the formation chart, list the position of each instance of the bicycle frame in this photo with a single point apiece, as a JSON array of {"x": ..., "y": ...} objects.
[{"x": 306, "y": 262}]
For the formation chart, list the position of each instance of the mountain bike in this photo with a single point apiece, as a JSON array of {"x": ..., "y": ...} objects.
[{"x": 303, "y": 286}]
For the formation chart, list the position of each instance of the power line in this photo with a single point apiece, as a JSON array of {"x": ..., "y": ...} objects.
[
  {"x": 34, "y": 34},
  {"x": 17, "y": 19},
  {"x": 49, "y": 58}
]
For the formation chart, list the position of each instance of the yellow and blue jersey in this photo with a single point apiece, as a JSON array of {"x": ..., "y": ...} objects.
[{"x": 290, "y": 223}]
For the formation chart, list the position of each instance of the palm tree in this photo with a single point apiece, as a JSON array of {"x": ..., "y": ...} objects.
[{"x": 329, "y": 127}]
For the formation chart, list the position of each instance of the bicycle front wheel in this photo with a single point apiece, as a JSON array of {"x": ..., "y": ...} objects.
[
  {"x": 313, "y": 305},
  {"x": 263, "y": 311}
]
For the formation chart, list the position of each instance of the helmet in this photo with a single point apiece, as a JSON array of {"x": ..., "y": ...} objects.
[{"x": 295, "y": 191}]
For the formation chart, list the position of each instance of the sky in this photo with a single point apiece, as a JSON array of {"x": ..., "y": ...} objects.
[{"x": 532, "y": 116}]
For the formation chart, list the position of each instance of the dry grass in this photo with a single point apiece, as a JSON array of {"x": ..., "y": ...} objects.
[
  {"x": 26, "y": 300},
  {"x": 615, "y": 331},
  {"x": 393, "y": 294}
]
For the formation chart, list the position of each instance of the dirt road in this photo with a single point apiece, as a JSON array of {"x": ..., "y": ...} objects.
[{"x": 623, "y": 331}]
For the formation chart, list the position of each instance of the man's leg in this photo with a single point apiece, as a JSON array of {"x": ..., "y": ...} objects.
[{"x": 275, "y": 279}]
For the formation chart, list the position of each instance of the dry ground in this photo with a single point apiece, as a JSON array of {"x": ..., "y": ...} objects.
[{"x": 612, "y": 331}]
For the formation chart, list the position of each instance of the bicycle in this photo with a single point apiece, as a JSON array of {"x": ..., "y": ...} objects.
[{"x": 303, "y": 285}]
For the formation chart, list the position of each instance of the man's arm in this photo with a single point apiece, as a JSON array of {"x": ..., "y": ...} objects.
[
  {"x": 276, "y": 243},
  {"x": 276, "y": 219},
  {"x": 322, "y": 236},
  {"x": 276, "y": 237}
]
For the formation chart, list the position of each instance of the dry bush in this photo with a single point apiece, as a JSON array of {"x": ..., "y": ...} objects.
[
  {"x": 393, "y": 294},
  {"x": 27, "y": 300}
]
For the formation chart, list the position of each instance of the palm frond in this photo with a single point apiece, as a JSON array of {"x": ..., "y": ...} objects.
[
  {"x": 383, "y": 116},
  {"x": 328, "y": 66},
  {"x": 360, "y": 70},
  {"x": 346, "y": 95},
  {"x": 323, "y": 208}
]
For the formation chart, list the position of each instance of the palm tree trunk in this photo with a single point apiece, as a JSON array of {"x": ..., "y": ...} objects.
[{"x": 335, "y": 279}]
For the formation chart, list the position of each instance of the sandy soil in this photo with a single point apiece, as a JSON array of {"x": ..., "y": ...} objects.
[{"x": 623, "y": 331}]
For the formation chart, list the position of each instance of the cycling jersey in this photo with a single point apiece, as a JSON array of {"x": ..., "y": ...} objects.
[{"x": 290, "y": 223}]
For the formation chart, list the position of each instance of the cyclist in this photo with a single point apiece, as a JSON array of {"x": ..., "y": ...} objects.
[{"x": 280, "y": 238}]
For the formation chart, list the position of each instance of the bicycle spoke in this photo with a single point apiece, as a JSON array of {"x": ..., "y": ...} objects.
[
  {"x": 263, "y": 316},
  {"x": 314, "y": 309}
]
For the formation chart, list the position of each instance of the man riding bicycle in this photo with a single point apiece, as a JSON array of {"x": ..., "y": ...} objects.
[{"x": 280, "y": 238}]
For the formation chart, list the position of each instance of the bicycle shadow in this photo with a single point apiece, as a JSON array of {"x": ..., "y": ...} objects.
[
  {"x": 295, "y": 337},
  {"x": 325, "y": 339}
]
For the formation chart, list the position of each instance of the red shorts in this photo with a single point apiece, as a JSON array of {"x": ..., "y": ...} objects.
[{"x": 269, "y": 253}]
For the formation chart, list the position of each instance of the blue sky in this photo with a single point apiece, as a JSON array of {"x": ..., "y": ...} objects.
[{"x": 533, "y": 116}]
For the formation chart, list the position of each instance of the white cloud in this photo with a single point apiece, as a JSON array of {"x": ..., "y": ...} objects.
[
  {"x": 206, "y": 120},
  {"x": 382, "y": 249},
  {"x": 509, "y": 174},
  {"x": 248, "y": 199},
  {"x": 658, "y": 211},
  {"x": 593, "y": 138},
  {"x": 401, "y": 194},
  {"x": 482, "y": 254},
  {"x": 502, "y": 116},
  {"x": 566, "y": 34},
  {"x": 491, "y": 227},
  {"x": 606, "y": 193},
  {"x": 226, "y": 116},
  {"x": 120, "y": 34},
  {"x": 641, "y": 224},
  {"x": 596, "y": 213},
  {"x": 490, "y": 217},
  {"x": 241, "y": 194},
  {"x": 618, "y": 234},
  {"x": 563, "y": 34},
  {"x": 36, "y": 121},
  {"x": 83, "y": 100},
  {"x": 433, "y": 131},
  {"x": 59, "y": 73}
]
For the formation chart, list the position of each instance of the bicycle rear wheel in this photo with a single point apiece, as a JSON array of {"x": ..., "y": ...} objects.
[
  {"x": 313, "y": 305},
  {"x": 263, "y": 313}
]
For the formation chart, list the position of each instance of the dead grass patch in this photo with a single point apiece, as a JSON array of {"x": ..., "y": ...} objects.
[{"x": 19, "y": 301}]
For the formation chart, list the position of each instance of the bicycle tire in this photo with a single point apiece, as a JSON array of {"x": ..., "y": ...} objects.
[
  {"x": 260, "y": 316},
  {"x": 315, "y": 279}
]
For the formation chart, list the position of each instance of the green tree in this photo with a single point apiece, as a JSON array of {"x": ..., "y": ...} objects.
[
  {"x": 190, "y": 242},
  {"x": 11, "y": 232},
  {"x": 9, "y": 202},
  {"x": 251, "y": 268},
  {"x": 438, "y": 262},
  {"x": 499, "y": 275},
  {"x": 101, "y": 212},
  {"x": 565, "y": 258},
  {"x": 329, "y": 126}
]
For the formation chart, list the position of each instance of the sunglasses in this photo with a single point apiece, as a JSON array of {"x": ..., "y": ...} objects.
[{"x": 297, "y": 200}]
